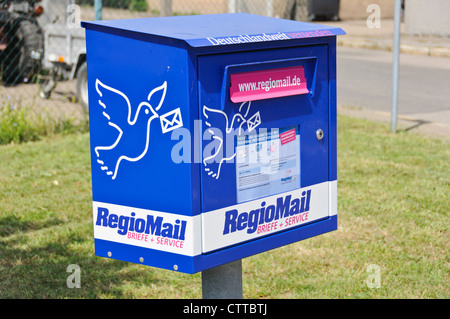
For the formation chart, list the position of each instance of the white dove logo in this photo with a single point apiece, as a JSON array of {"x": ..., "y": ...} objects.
[
  {"x": 119, "y": 116},
  {"x": 239, "y": 118}
]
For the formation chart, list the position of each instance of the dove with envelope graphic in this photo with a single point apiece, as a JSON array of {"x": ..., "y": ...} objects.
[
  {"x": 254, "y": 121},
  {"x": 130, "y": 126},
  {"x": 171, "y": 120},
  {"x": 213, "y": 163}
]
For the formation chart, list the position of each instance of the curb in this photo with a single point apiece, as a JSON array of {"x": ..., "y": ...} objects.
[{"x": 387, "y": 46}]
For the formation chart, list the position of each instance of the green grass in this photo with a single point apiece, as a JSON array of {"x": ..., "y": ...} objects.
[{"x": 392, "y": 212}]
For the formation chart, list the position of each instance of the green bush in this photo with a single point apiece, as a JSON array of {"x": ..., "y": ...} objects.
[
  {"x": 133, "y": 5},
  {"x": 122, "y": 4},
  {"x": 21, "y": 124},
  {"x": 138, "y": 5},
  {"x": 14, "y": 126}
]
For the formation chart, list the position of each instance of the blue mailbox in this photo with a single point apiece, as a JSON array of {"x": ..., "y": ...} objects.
[{"x": 213, "y": 137}]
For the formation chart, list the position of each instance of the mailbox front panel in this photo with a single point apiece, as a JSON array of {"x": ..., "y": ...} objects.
[{"x": 264, "y": 171}]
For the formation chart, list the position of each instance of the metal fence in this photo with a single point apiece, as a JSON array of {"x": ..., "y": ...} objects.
[{"x": 42, "y": 48}]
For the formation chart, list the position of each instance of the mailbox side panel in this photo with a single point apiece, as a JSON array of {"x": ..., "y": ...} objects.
[
  {"x": 139, "y": 103},
  {"x": 145, "y": 207}
]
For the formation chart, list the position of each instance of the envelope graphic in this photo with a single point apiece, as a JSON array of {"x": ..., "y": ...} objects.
[
  {"x": 171, "y": 120},
  {"x": 254, "y": 121}
]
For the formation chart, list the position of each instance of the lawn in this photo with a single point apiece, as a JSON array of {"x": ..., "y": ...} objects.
[{"x": 393, "y": 220}]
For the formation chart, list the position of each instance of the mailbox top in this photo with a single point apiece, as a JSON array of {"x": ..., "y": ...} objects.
[{"x": 219, "y": 29}]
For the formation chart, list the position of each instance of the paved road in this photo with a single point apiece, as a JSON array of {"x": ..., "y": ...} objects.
[{"x": 365, "y": 81}]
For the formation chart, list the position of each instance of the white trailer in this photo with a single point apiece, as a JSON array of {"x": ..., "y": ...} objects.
[{"x": 64, "y": 52}]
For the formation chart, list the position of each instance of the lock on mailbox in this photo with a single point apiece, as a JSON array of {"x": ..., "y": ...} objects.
[{"x": 204, "y": 143}]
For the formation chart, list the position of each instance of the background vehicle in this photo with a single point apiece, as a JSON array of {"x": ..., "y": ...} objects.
[
  {"x": 21, "y": 40},
  {"x": 65, "y": 56}
]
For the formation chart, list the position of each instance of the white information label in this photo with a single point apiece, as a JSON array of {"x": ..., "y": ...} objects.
[
  {"x": 250, "y": 220},
  {"x": 147, "y": 228}
]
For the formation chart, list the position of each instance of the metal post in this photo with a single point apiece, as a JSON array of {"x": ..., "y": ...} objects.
[
  {"x": 269, "y": 8},
  {"x": 395, "y": 65},
  {"x": 166, "y": 8},
  {"x": 223, "y": 282},
  {"x": 98, "y": 6}
]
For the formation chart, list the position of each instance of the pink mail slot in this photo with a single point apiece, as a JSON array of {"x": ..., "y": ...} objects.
[{"x": 267, "y": 84}]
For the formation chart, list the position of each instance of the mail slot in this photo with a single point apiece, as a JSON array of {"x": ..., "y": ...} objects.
[{"x": 204, "y": 137}]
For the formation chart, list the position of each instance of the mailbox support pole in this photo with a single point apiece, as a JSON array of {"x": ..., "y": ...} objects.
[
  {"x": 223, "y": 282},
  {"x": 98, "y": 6},
  {"x": 395, "y": 65}
]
